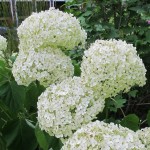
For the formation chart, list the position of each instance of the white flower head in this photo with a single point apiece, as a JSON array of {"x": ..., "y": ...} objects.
[
  {"x": 65, "y": 107},
  {"x": 48, "y": 66},
  {"x": 102, "y": 136},
  {"x": 52, "y": 28},
  {"x": 112, "y": 66},
  {"x": 3, "y": 45},
  {"x": 144, "y": 135}
]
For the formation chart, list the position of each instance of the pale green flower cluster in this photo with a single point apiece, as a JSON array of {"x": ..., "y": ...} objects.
[
  {"x": 47, "y": 66},
  {"x": 112, "y": 66},
  {"x": 102, "y": 136},
  {"x": 65, "y": 107},
  {"x": 3, "y": 46},
  {"x": 144, "y": 135},
  {"x": 42, "y": 38},
  {"x": 52, "y": 28}
]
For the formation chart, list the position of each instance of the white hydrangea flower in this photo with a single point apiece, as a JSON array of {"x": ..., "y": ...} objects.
[
  {"x": 144, "y": 135},
  {"x": 3, "y": 45},
  {"x": 48, "y": 66},
  {"x": 111, "y": 66},
  {"x": 52, "y": 28},
  {"x": 65, "y": 107},
  {"x": 102, "y": 136}
]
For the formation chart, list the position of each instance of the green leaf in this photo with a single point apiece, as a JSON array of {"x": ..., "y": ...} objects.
[
  {"x": 33, "y": 91},
  {"x": 137, "y": 9},
  {"x": 148, "y": 118},
  {"x": 32, "y": 94},
  {"x": 119, "y": 102},
  {"x": 77, "y": 70},
  {"x": 87, "y": 13},
  {"x": 4, "y": 88},
  {"x": 45, "y": 141},
  {"x": 116, "y": 103},
  {"x": 13, "y": 95},
  {"x": 19, "y": 136},
  {"x": 2, "y": 143},
  {"x": 6, "y": 115},
  {"x": 99, "y": 27},
  {"x": 113, "y": 33},
  {"x": 131, "y": 121},
  {"x": 148, "y": 36},
  {"x": 133, "y": 93},
  {"x": 2, "y": 63},
  {"x": 55, "y": 143},
  {"x": 18, "y": 94},
  {"x": 132, "y": 38},
  {"x": 83, "y": 22},
  {"x": 5, "y": 73},
  {"x": 41, "y": 138}
]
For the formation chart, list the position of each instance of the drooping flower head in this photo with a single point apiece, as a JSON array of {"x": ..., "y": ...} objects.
[
  {"x": 48, "y": 66},
  {"x": 65, "y": 107},
  {"x": 144, "y": 135},
  {"x": 52, "y": 28},
  {"x": 112, "y": 66},
  {"x": 102, "y": 136}
]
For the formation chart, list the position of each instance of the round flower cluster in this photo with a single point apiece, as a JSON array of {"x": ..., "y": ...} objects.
[
  {"x": 111, "y": 66},
  {"x": 48, "y": 66},
  {"x": 42, "y": 40},
  {"x": 3, "y": 45},
  {"x": 52, "y": 28},
  {"x": 144, "y": 135},
  {"x": 99, "y": 135},
  {"x": 65, "y": 107}
]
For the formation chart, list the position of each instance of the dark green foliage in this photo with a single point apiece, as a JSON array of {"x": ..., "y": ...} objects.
[
  {"x": 17, "y": 106},
  {"x": 19, "y": 135}
]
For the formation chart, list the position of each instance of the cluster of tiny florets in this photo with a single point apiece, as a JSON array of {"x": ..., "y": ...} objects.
[
  {"x": 144, "y": 135},
  {"x": 3, "y": 46},
  {"x": 52, "y": 28},
  {"x": 99, "y": 135},
  {"x": 112, "y": 66},
  {"x": 65, "y": 107},
  {"x": 42, "y": 37},
  {"x": 47, "y": 66}
]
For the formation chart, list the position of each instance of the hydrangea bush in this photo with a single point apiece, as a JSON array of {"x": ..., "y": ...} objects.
[
  {"x": 69, "y": 104},
  {"x": 99, "y": 135},
  {"x": 112, "y": 66}
]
